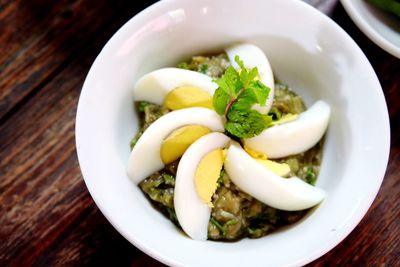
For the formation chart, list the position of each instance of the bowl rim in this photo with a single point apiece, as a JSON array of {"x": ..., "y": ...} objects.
[
  {"x": 368, "y": 30},
  {"x": 148, "y": 250}
]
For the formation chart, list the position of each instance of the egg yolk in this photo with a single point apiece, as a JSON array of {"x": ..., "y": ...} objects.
[
  {"x": 207, "y": 174},
  {"x": 179, "y": 140},
  {"x": 255, "y": 154},
  {"x": 281, "y": 169},
  {"x": 187, "y": 96},
  {"x": 285, "y": 119}
]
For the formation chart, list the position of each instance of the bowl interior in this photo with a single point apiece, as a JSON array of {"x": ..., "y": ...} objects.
[{"x": 315, "y": 57}]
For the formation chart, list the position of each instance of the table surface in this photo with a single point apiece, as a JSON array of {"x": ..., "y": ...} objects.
[{"x": 47, "y": 216}]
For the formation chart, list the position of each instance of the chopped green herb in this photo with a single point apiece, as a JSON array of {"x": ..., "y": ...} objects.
[
  {"x": 246, "y": 124},
  {"x": 142, "y": 105},
  {"x": 183, "y": 65},
  {"x": 231, "y": 222},
  {"x": 169, "y": 179},
  {"x": 172, "y": 214},
  {"x": 135, "y": 139},
  {"x": 203, "y": 68},
  {"x": 310, "y": 176},
  {"x": 220, "y": 180},
  {"x": 237, "y": 92},
  {"x": 218, "y": 225}
]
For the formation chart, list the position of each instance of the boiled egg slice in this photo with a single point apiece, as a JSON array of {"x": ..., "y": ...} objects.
[
  {"x": 252, "y": 56},
  {"x": 196, "y": 181},
  {"x": 258, "y": 181},
  {"x": 295, "y": 136},
  {"x": 175, "y": 88},
  {"x": 146, "y": 155}
]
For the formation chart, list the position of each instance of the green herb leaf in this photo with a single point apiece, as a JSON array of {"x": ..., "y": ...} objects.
[
  {"x": 260, "y": 90},
  {"x": 237, "y": 93},
  {"x": 220, "y": 101},
  {"x": 246, "y": 124},
  {"x": 230, "y": 82}
]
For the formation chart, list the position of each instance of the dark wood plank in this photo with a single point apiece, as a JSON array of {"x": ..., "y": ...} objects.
[
  {"x": 47, "y": 217},
  {"x": 39, "y": 38},
  {"x": 42, "y": 194}
]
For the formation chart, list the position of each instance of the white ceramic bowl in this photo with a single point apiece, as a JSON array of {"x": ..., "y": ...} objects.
[
  {"x": 308, "y": 51},
  {"x": 382, "y": 28}
]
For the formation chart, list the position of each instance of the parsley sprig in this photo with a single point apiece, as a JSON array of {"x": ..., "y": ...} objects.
[{"x": 237, "y": 92}]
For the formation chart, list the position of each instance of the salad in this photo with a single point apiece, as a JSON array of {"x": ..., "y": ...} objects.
[{"x": 223, "y": 150}]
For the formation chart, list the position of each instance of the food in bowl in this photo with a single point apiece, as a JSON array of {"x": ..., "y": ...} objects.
[
  {"x": 390, "y": 6},
  {"x": 223, "y": 151}
]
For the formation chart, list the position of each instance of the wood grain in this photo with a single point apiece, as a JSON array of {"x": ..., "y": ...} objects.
[
  {"x": 39, "y": 38},
  {"x": 47, "y": 217}
]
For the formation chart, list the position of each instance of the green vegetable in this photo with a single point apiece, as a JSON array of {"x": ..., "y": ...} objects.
[
  {"x": 183, "y": 65},
  {"x": 310, "y": 176},
  {"x": 169, "y": 179},
  {"x": 392, "y": 6},
  {"x": 237, "y": 92},
  {"x": 203, "y": 68},
  {"x": 218, "y": 225},
  {"x": 135, "y": 139},
  {"x": 172, "y": 214},
  {"x": 142, "y": 105},
  {"x": 220, "y": 180}
]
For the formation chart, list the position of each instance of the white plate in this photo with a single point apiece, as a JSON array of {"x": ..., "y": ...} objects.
[{"x": 381, "y": 27}]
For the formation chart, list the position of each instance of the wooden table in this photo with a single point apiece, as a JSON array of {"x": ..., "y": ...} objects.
[{"x": 47, "y": 216}]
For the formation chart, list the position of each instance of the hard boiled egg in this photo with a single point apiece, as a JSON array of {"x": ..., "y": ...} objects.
[
  {"x": 192, "y": 211},
  {"x": 193, "y": 88},
  {"x": 252, "y": 56},
  {"x": 293, "y": 137},
  {"x": 145, "y": 157},
  {"x": 258, "y": 181}
]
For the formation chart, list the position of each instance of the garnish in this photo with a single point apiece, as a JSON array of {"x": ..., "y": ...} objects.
[
  {"x": 218, "y": 226},
  {"x": 237, "y": 92},
  {"x": 203, "y": 68},
  {"x": 183, "y": 65},
  {"x": 142, "y": 105},
  {"x": 310, "y": 176},
  {"x": 220, "y": 180}
]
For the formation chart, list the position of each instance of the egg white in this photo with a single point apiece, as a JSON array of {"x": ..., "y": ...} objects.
[
  {"x": 252, "y": 56},
  {"x": 145, "y": 158},
  {"x": 293, "y": 137},
  {"x": 281, "y": 193},
  {"x": 154, "y": 86},
  {"x": 192, "y": 213}
]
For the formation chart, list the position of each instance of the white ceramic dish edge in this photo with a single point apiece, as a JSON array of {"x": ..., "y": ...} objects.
[{"x": 368, "y": 30}]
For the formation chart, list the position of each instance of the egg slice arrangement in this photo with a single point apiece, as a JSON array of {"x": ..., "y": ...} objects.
[{"x": 193, "y": 132}]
